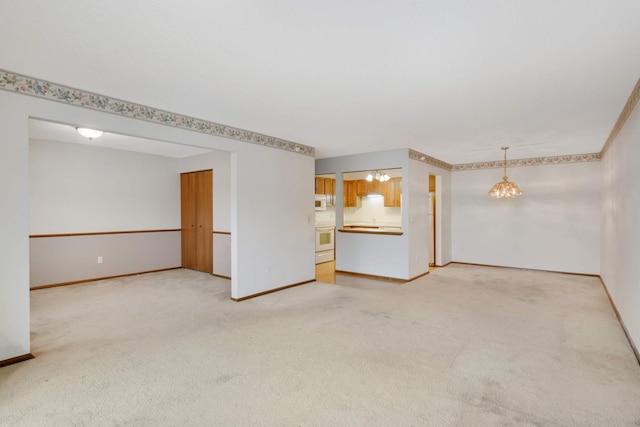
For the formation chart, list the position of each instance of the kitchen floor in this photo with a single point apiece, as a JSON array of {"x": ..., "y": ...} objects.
[{"x": 326, "y": 273}]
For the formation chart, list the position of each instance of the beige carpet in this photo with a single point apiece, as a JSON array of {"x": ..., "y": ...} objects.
[{"x": 463, "y": 346}]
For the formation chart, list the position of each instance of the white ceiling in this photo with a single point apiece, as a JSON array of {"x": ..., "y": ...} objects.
[{"x": 454, "y": 79}]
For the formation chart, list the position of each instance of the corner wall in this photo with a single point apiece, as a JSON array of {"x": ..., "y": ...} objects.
[
  {"x": 620, "y": 209},
  {"x": 554, "y": 225}
]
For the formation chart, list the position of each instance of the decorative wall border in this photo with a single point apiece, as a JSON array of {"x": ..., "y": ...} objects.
[
  {"x": 416, "y": 155},
  {"x": 533, "y": 161},
  {"x": 43, "y": 89},
  {"x": 624, "y": 115}
]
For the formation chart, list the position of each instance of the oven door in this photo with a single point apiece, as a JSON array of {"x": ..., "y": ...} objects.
[{"x": 324, "y": 239}]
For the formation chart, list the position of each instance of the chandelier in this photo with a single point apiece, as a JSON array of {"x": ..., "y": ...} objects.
[
  {"x": 505, "y": 188},
  {"x": 380, "y": 176}
]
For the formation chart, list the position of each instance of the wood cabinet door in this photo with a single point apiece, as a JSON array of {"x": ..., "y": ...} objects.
[
  {"x": 362, "y": 187},
  {"x": 196, "y": 209},
  {"x": 188, "y": 219},
  {"x": 330, "y": 190},
  {"x": 204, "y": 240},
  {"x": 319, "y": 185},
  {"x": 392, "y": 192},
  {"x": 349, "y": 188}
]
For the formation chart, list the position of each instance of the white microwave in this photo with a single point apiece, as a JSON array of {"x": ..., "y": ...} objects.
[{"x": 321, "y": 202}]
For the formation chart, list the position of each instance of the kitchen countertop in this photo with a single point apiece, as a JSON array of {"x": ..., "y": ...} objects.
[{"x": 372, "y": 229}]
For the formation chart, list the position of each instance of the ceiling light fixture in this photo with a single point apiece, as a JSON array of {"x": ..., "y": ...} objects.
[
  {"x": 90, "y": 133},
  {"x": 505, "y": 188},
  {"x": 380, "y": 176}
]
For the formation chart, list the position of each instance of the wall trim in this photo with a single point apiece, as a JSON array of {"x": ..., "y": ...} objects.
[
  {"x": 99, "y": 233},
  {"x": 532, "y": 161},
  {"x": 221, "y": 232},
  {"x": 271, "y": 291},
  {"x": 26, "y": 85},
  {"x": 416, "y": 155},
  {"x": 633, "y": 99},
  {"x": 624, "y": 328},
  {"x": 499, "y": 164},
  {"x": 418, "y": 276},
  {"x": 95, "y": 279},
  {"x": 16, "y": 359},
  {"x": 221, "y": 276},
  {"x": 372, "y": 276},
  {"x": 526, "y": 269}
]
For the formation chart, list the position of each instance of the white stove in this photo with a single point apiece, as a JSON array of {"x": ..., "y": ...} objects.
[{"x": 325, "y": 244}]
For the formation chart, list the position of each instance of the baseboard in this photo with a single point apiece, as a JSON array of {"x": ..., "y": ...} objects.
[
  {"x": 75, "y": 282},
  {"x": 526, "y": 269},
  {"x": 444, "y": 265},
  {"x": 624, "y": 328},
  {"x": 16, "y": 359},
  {"x": 272, "y": 291},
  {"x": 418, "y": 276},
  {"x": 372, "y": 276},
  {"x": 220, "y": 275}
]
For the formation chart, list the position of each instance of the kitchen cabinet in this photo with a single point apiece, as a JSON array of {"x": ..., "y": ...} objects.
[
  {"x": 364, "y": 187},
  {"x": 319, "y": 185},
  {"x": 196, "y": 216},
  {"x": 330, "y": 191},
  {"x": 350, "y": 194},
  {"x": 392, "y": 191}
]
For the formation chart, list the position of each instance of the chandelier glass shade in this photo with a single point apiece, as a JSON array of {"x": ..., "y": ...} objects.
[
  {"x": 380, "y": 176},
  {"x": 504, "y": 188}
]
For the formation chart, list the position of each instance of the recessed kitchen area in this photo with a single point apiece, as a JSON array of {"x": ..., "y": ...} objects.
[{"x": 371, "y": 203}]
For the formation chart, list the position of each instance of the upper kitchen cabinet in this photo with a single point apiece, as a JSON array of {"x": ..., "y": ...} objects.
[
  {"x": 392, "y": 191},
  {"x": 350, "y": 194},
  {"x": 319, "y": 185},
  {"x": 330, "y": 190}
]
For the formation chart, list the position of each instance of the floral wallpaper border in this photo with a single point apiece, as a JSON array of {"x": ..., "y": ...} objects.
[
  {"x": 43, "y": 89},
  {"x": 416, "y": 155},
  {"x": 534, "y": 161},
  {"x": 624, "y": 115}
]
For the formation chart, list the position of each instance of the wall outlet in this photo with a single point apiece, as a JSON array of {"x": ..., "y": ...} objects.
[{"x": 99, "y": 260}]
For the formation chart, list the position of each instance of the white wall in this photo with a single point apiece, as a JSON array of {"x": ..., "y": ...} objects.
[
  {"x": 276, "y": 220},
  {"x": 554, "y": 225},
  {"x": 76, "y": 188},
  {"x": 14, "y": 227},
  {"x": 285, "y": 233},
  {"x": 620, "y": 252}
]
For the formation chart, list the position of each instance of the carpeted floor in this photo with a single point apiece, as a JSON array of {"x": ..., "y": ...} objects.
[{"x": 463, "y": 346}]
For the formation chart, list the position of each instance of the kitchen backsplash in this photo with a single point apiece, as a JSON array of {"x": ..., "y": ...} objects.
[
  {"x": 371, "y": 211},
  {"x": 326, "y": 218}
]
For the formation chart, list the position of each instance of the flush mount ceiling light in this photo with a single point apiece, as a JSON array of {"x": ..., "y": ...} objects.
[
  {"x": 90, "y": 133},
  {"x": 505, "y": 188},
  {"x": 380, "y": 176}
]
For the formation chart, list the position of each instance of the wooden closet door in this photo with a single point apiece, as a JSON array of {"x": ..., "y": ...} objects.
[
  {"x": 204, "y": 216},
  {"x": 188, "y": 219}
]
